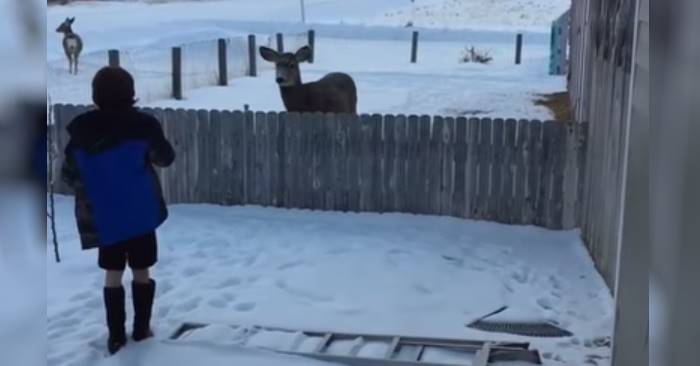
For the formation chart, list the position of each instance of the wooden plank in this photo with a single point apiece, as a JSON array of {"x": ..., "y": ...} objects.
[
  {"x": 234, "y": 126},
  {"x": 484, "y": 162},
  {"x": 216, "y": 188},
  {"x": 570, "y": 183},
  {"x": 447, "y": 168},
  {"x": 316, "y": 125},
  {"x": 435, "y": 168},
  {"x": 535, "y": 169},
  {"x": 558, "y": 162},
  {"x": 365, "y": 162},
  {"x": 306, "y": 169},
  {"x": 389, "y": 168},
  {"x": 342, "y": 155},
  {"x": 458, "y": 201},
  {"x": 523, "y": 153},
  {"x": 496, "y": 155},
  {"x": 192, "y": 127},
  {"x": 546, "y": 174},
  {"x": 274, "y": 168},
  {"x": 401, "y": 145},
  {"x": 582, "y": 155},
  {"x": 376, "y": 151},
  {"x": 249, "y": 141},
  {"x": 203, "y": 190},
  {"x": 330, "y": 161},
  {"x": 412, "y": 186},
  {"x": 472, "y": 171},
  {"x": 354, "y": 161},
  {"x": 262, "y": 157},
  {"x": 286, "y": 124},
  {"x": 507, "y": 207},
  {"x": 423, "y": 156}
]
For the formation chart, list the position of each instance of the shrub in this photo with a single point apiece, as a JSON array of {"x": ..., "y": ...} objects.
[{"x": 474, "y": 55}]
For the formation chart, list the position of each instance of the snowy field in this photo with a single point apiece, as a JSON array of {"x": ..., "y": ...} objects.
[
  {"x": 367, "y": 273},
  {"x": 359, "y": 37}
]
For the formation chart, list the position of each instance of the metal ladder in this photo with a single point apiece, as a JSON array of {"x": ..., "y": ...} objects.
[{"x": 400, "y": 351}]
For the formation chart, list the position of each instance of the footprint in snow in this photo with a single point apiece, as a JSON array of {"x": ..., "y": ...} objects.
[
  {"x": 245, "y": 306},
  {"x": 291, "y": 265},
  {"x": 230, "y": 282},
  {"x": 81, "y": 296},
  {"x": 189, "y": 305},
  {"x": 193, "y": 271}
]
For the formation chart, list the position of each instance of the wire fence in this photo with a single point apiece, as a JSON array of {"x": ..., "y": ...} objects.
[{"x": 152, "y": 67}]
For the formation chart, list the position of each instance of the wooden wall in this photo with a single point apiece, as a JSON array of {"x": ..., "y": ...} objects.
[
  {"x": 600, "y": 82},
  {"x": 516, "y": 172}
]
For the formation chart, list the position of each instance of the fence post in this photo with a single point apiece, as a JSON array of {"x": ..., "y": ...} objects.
[
  {"x": 177, "y": 73},
  {"x": 414, "y": 48},
  {"x": 312, "y": 44},
  {"x": 280, "y": 42},
  {"x": 519, "y": 49},
  {"x": 223, "y": 63},
  {"x": 252, "y": 58},
  {"x": 113, "y": 58}
]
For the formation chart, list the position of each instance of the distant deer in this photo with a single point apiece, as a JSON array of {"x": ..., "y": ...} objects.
[
  {"x": 335, "y": 92},
  {"x": 72, "y": 44}
]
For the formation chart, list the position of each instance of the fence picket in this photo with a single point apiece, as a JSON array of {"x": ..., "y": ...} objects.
[
  {"x": 496, "y": 183},
  {"x": 435, "y": 168},
  {"x": 509, "y": 166},
  {"x": 423, "y": 154},
  {"x": 401, "y": 135}
]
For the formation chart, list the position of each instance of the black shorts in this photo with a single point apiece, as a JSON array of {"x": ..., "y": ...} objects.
[{"x": 140, "y": 253}]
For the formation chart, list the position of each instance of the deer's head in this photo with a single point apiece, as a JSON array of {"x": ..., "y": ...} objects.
[
  {"x": 287, "y": 64},
  {"x": 65, "y": 27}
]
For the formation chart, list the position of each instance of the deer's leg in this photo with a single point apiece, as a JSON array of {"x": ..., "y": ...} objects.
[{"x": 76, "y": 64}]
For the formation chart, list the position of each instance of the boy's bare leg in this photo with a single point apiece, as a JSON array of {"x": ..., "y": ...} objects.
[
  {"x": 113, "y": 279},
  {"x": 142, "y": 276}
]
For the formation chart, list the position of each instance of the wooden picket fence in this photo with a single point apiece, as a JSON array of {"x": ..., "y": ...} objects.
[{"x": 516, "y": 172}]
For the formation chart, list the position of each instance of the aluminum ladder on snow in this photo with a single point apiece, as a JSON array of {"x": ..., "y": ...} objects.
[{"x": 400, "y": 351}]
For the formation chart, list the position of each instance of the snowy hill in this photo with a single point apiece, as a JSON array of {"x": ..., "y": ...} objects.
[{"x": 525, "y": 14}]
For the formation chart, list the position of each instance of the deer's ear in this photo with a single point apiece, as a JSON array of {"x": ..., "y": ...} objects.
[
  {"x": 71, "y": 20},
  {"x": 303, "y": 54},
  {"x": 269, "y": 54}
]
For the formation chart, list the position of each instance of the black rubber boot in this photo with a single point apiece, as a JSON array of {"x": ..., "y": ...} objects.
[
  {"x": 143, "y": 303},
  {"x": 116, "y": 317}
]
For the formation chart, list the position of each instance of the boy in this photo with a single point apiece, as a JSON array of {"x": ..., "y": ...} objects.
[{"x": 118, "y": 198}]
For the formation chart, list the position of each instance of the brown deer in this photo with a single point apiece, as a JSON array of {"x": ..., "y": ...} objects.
[
  {"x": 335, "y": 92},
  {"x": 72, "y": 44}
]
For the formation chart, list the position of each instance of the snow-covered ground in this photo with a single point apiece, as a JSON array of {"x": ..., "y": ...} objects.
[
  {"x": 358, "y": 37},
  {"x": 366, "y": 273}
]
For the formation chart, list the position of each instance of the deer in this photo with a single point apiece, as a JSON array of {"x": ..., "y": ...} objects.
[
  {"x": 72, "y": 44},
  {"x": 336, "y": 92}
]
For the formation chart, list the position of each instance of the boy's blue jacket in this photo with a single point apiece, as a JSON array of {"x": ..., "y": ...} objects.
[{"x": 109, "y": 164}]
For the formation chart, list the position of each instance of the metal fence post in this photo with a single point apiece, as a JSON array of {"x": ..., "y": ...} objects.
[
  {"x": 252, "y": 58},
  {"x": 177, "y": 73},
  {"x": 280, "y": 42},
  {"x": 519, "y": 49},
  {"x": 312, "y": 44},
  {"x": 223, "y": 63},
  {"x": 113, "y": 58},
  {"x": 414, "y": 48}
]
